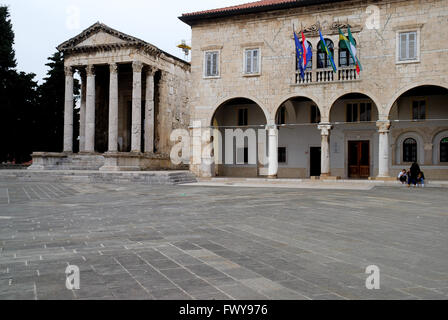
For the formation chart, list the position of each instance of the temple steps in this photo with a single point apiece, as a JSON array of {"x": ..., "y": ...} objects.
[{"x": 140, "y": 177}]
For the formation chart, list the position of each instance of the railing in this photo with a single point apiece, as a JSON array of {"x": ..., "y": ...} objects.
[
  {"x": 308, "y": 77},
  {"x": 327, "y": 76}
]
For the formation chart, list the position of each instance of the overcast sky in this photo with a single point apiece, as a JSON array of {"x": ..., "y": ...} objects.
[{"x": 41, "y": 25}]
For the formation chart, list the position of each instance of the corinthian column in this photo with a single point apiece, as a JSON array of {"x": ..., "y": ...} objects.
[
  {"x": 325, "y": 133},
  {"x": 149, "y": 110},
  {"x": 90, "y": 110},
  {"x": 136, "y": 106},
  {"x": 82, "y": 114},
  {"x": 68, "y": 114},
  {"x": 383, "y": 164},
  {"x": 113, "y": 108}
]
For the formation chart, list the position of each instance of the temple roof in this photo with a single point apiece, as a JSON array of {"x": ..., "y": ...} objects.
[{"x": 102, "y": 37}]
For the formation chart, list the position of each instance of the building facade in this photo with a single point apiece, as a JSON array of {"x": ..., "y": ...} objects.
[
  {"x": 133, "y": 95},
  {"x": 334, "y": 124}
]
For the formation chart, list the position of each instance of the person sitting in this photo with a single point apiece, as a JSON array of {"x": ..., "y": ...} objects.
[
  {"x": 413, "y": 174},
  {"x": 421, "y": 179},
  {"x": 403, "y": 176}
]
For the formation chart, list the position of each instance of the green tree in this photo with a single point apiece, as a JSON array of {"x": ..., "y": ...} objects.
[
  {"x": 50, "y": 124},
  {"x": 17, "y": 99}
]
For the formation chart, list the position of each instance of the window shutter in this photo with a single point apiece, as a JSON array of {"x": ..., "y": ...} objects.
[
  {"x": 412, "y": 45},
  {"x": 208, "y": 64},
  {"x": 255, "y": 62},
  {"x": 215, "y": 64},
  {"x": 248, "y": 61},
  {"x": 403, "y": 46}
]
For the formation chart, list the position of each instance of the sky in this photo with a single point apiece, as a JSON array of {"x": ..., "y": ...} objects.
[{"x": 41, "y": 25}]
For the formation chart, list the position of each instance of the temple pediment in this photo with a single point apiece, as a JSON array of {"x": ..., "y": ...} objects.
[{"x": 101, "y": 37}]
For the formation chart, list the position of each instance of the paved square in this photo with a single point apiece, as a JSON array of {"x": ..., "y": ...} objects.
[{"x": 185, "y": 242}]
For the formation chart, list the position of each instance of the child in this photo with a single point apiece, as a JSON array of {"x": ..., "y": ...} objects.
[
  {"x": 421, "y": 179},
  {"x": 403, "y": 176}
]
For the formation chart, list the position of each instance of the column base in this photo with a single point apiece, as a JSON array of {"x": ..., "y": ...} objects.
[{"x": 273, "y": 177}]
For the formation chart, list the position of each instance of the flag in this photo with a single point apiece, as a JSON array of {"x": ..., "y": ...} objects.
[
  {"x": 307, "y": 51},
  {"x": 354, "y": 51},
  {"x": 350, "y": 48},
  {"x": 323, "y": 44},
  {"x": 300, "y": 56}
]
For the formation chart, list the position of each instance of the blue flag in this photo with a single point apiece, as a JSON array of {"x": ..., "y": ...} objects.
[
  {"x": 299, "y": 51},
  {"x": 323, "y": 44}
]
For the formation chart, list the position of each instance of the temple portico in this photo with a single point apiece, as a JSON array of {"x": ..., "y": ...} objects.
[{"x": 132, "y": 96}]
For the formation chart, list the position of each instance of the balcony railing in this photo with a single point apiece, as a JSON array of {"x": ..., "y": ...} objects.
[{"x": 327, "y": 76}]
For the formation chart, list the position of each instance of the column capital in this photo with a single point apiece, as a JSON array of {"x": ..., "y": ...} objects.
[
  {"x": 90, "y": 70},
  {"x": 113, "y": 68},
  {"x": 383, "y": 126},
  {"x": 68, "y": 71},
  {"x": 137, "y": 66},
  {"x": 325, "y": 128},
  {"x": 151, "y": 71}
]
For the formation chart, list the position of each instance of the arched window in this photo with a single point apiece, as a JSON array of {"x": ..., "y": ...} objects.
[
  {"x": 281, "y": 115},
  {"x": 410, "y": 150},
  {"x": 309, "y": 63},
  {"x": 345, "y": 58},
  {"x": 323, "y": 60},
  {"x": 444, "y": 150}
]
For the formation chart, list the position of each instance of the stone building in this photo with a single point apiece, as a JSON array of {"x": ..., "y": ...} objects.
[
  {"x": 132, "y": 96},
  {"x": 244, "y": 75}
]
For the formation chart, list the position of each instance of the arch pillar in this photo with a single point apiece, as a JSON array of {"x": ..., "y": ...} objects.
[
  {"x": 383, "y": 163},
  {"x": 325, "y": 129}
]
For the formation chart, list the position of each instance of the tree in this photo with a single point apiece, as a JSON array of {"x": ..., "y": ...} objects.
[
  {"x": 7, "y": 54},
  {"x": 50, "y": 124},
  {"x": 17, "y": 99}
]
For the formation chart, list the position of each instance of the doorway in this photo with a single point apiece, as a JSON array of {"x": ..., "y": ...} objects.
[
  {"x": 359, "y": 159},
  {"x": 315, "y": 161}
]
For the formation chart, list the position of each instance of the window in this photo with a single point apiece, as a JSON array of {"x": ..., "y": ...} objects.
[
  {"x": 407, "y": 50},
  {"x": 281, "y": 116},
  {"x": 282, "y": 155},
  {"x": 315, "y": 114},
  {"x": 242, "y": 117},
  {"x": 410, "y": 150},
  {"x": 212, "y": 64},
  {"x": 242, "y": 156},
  {"x": 309, "y": 63},
  {"x": 323, "y": 60},
  {"x": 419, "y": 110},
  {"x": 359, "y": 112},
  {"x": 444, "y": 150},
  {"x": 345, "y": 58},
  {"x": 365, "y": 111},
  {"x": 252, "y": 61}
]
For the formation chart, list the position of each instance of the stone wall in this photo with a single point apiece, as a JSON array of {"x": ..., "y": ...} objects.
[{"x": 382, "y": 79}]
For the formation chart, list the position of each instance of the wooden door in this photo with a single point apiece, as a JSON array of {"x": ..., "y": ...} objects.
[{"x": 359, "y": 159}]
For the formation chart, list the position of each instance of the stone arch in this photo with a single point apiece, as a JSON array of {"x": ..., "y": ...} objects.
[
  {"x": 436, "y": 145},
  {"x": 222, "y": 102},
  {"x": 420, "y": 146},
  {"x": 285, "y": 99},
  {"x": 339, "y": 95},
  {"x": 392, "y": 102}
]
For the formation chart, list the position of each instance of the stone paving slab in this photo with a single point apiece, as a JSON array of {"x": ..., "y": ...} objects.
[{"x": 198, "y": 242}]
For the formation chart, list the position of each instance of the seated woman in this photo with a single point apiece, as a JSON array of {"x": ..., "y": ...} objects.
[{"x": 421, "y": 179}]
